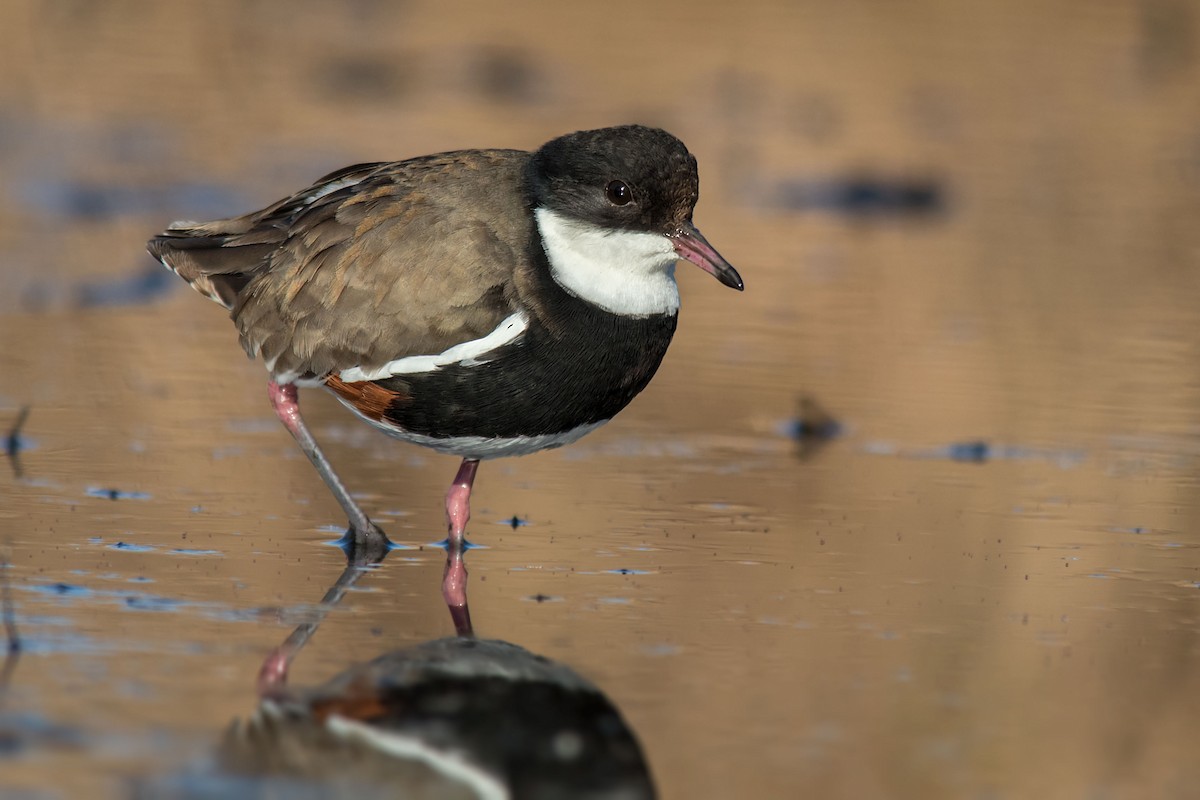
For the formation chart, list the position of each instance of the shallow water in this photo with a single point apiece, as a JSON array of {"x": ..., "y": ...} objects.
[{"x": 969, "y": 235}]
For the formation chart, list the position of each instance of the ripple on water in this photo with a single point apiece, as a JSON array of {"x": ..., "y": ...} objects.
[
  {"x": 116, "y": 494},
  {"x": 134, "y": 547}
]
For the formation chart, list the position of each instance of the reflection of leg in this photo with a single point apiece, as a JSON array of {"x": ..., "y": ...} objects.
[
  {"x": 458, "y": 511},
  {"x": 272, "y": 675},
  {"x": 287, "y": 407},
  {"x": 369, "y": 548},
  {"x": 454, "y": 590}
]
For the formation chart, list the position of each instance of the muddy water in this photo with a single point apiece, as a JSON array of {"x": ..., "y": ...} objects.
[{"x": 969, "y": 235}]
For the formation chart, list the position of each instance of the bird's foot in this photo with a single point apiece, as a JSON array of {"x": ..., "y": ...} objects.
[{"x": 365, "y": 543}]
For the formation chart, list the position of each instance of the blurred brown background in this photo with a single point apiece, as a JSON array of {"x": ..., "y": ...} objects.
[{"x": 968, "y": 230}]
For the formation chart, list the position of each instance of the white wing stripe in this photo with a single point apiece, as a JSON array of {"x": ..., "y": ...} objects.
[
  {"x": 468, "y": 353},
  {"x": 453, "y": 765}
]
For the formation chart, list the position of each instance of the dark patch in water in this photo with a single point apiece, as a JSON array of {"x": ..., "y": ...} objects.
[
  {"x": 505, "y": 74},
  {"x": 1166, "y": 47},
  {"x": 116, "y": 494},
  {"x": 979, "y": 451},
  {"x": 362, "y": 78},
  {"x": 22, "y": 732},
  {"x": 14, "y": 443},
  {"x": 812, "y": 427},
  {"x": 133, "y": 601},
  {"x": 132, "y": 548},
  {"x": 975, "y": 452},
  {"x": 147, "y": 602},
  {"x": 92, "y": 202},
  {"x": 862, "y": 196},
  {"x": 62, "y": 589},
  {"x": 817, "y": 118},
  {"x": 805, "y": 429}
]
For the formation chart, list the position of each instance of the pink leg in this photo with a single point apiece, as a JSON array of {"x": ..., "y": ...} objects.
[
  {"x": 286, "y": 403},
  {"x": 458, "y": 511},
  {"x": 458, "y": 499}
]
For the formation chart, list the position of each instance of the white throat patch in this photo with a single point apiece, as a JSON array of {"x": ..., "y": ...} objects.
[{"x": 629, "y": 273}]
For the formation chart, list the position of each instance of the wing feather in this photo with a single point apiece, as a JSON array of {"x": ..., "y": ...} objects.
[{"x": 371, "y": 263}]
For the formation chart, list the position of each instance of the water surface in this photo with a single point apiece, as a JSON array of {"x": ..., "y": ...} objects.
[{"x": 970, "y": 236}]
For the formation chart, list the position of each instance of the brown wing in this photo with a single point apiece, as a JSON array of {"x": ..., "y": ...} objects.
[{"x": 371, "y": 263}]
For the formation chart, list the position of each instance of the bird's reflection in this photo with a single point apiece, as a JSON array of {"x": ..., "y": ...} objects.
[{"x": 454, "y": 717}]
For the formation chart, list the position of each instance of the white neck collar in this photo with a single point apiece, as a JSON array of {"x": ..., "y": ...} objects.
[{"x": 629, "y": 273}]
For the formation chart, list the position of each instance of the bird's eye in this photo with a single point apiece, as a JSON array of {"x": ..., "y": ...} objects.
[{"x": 618, "y": 193}]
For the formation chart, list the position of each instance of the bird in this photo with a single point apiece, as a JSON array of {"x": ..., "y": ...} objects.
[{"x": 482, "y": 303}]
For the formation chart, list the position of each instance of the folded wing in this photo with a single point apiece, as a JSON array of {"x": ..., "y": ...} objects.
[{"x": 370, "y": 264}]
